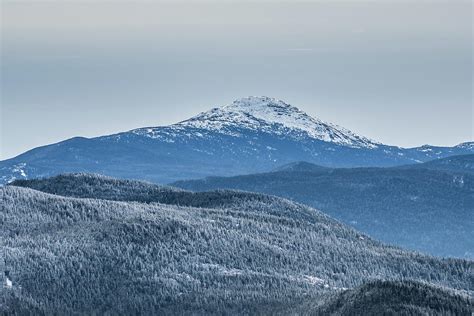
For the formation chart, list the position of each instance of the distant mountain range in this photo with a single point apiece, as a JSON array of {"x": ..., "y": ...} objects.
[
  {"x": 426, "y": 207},
  {"x": 106, "y": 246},
  {"x": 461, "y": 164},
  {"x": 253, "y": 134}
]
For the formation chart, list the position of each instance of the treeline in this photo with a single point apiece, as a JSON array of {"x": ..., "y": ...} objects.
[{"x": 81, "y": 185}]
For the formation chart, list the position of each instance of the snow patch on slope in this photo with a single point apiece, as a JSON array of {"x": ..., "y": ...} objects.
[{"x": 17, "y": 171}]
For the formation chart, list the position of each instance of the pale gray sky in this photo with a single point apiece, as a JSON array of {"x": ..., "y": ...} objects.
[{"x": 399, "y": 72}]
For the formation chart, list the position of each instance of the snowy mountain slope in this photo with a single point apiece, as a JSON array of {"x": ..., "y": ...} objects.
[
  {"x": 253, "y": 134},
  {"x": 272, "y": 116}
]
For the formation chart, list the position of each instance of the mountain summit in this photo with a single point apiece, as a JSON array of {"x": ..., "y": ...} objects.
[
  {"x": 269, "y": 115},
  {"x": 253, "y": 134}
]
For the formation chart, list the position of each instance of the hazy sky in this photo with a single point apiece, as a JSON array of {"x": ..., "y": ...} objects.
[{"x": 399, "y": 72}]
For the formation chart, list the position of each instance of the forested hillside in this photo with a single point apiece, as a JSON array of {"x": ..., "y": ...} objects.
[
  {"x": 396, "y": 298},
  {"x": 234, "y": 253},
  {"x": 413, "y": 207},
  {"x": 81, "y": 185}
]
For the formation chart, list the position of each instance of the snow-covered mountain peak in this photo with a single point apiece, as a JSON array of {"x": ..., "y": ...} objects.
[
  {"x": 269, "y": 110},
  {"x": 257, "y": 103},
  {"x": 274, "y": 116},
  {"x": 268, "y": 115}
]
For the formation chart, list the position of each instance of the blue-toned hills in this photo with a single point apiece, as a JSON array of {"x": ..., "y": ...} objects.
[
  {"x": 253, "y": 134},
  {"x": 427, "y": 206}
]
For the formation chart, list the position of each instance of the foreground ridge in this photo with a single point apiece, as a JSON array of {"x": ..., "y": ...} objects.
[{"x": 220, "y": 252}]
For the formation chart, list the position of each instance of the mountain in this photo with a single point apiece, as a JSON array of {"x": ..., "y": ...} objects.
[
  {"x": 460, "y": 163},
  {"x": 219, "y": 252},
  {"x": 253, "y": 134},
  {"x": 413, "y": 207}
]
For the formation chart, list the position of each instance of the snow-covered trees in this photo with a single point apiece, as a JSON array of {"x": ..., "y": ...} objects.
[{"x": 217, "y": 252}]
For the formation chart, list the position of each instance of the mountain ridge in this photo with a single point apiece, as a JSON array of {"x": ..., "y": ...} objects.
[
  {"x": 254, "y": 134},
  {"x": 146, "y": 257},
  {"x": 426, "y": 207}
]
